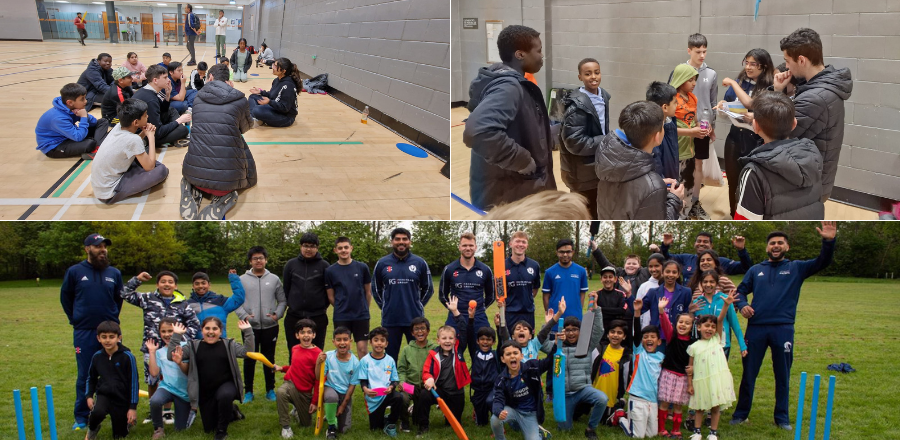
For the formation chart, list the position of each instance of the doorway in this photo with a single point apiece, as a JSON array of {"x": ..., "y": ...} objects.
[
  {"x": 146, "y": 26},
  {"x": 169, "y": 32}
]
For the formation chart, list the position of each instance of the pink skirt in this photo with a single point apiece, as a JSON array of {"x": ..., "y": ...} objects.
[{"x": 673, "y": 388}]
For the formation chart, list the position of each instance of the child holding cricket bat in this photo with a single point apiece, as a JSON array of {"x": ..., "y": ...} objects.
[
  {"x": 411, "y": 361},
  {"x": 300, "y": 390},
  {"x": 445, "y": 371},
  {"x": 578, "y": 369},
  {"x": 340, "y": 381}
]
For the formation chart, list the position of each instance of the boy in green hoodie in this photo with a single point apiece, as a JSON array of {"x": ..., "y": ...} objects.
[
  {"x": 412, "y": 361},
  {"x": 684, "y": 78}
]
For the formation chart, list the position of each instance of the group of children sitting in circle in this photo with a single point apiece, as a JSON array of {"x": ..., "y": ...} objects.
[{"x": 145, "y": 107}]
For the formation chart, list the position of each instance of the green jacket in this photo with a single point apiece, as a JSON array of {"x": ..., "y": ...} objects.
[{"x": 412, "y": 361}]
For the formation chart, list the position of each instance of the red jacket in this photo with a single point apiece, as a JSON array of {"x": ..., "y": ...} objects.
[
  {"x": 432, "y": 368},
  {"x": 302, "y": 371}
]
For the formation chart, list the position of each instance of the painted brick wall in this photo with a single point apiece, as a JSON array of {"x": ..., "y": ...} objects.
[
  {"x": 641, "y": 41},
  {"x": 393, "y": 55}
]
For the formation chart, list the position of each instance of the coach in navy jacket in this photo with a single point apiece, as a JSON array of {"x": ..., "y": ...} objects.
[
  {"x": 703, "y": 242},
  {"x": 401, "y": 288},
  {"x": 89, "y": 296},
  {"x": 475, "y": 283},
  {"x": 775, "y": 285}
]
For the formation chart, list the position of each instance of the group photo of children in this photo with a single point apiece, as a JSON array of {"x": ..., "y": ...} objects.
[{"x": 645, "y": 354}]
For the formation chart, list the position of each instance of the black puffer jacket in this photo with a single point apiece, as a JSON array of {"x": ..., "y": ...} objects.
[
  {"x": 581, "y": 133},
  {"x": 508, "y": 131},
  {"x": 789, "y": 178},
  {"x": 96, "y": 80},
  {"x": 630, "y": 188},
  {"x": 819, "y": 107},
  {"x": 218, "y": 157}
]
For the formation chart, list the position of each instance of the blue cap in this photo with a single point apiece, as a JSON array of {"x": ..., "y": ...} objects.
[{"x": 96, "y": 239}]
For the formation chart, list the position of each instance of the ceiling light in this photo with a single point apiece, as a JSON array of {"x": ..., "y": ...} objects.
[
  {"x": 162, "y": 4},
  {"x": 199, "y": 6},
  {"x": 97, "y": 3},
  {"x": 61, "y": 1},
  {"x": 240, "y": 7}
]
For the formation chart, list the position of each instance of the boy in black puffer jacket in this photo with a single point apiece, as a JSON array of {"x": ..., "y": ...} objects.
[
  {"x": 782, "y": 178},
  {"x": 586, "y": 121},
  {"x": 629, "y": 186}
]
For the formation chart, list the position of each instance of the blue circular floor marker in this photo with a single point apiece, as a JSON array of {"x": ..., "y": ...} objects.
[
  {"x": 254, "y": 74},
  {"x": 412, "y": 150}
]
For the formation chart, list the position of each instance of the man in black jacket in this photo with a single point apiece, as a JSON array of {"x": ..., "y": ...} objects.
[
  {"x": 819, "y": 101},
  {"x": 96, "y": 79},
  {"x": 509, "y": 130},
  {"x": 218, "y": 159},
  {"x": 168, "y": 124},
  {"x": 304, "y": 286}
]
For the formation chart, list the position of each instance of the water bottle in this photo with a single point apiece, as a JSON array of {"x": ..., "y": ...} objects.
[
  {"x": 189, "y": 112},
  {"x": 365, "y": 115},
  {"x": 704, "y": 119}
]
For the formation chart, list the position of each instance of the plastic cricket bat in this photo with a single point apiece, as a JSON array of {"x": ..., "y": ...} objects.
[
  {"x": 144, "y": 394},
  {"x": 559, "y": 380},
  {"x": 320, "y": 408},
  {"x": 587, "y": 326},
  {"x": 260, "y": 357},
  {"x": 595, "y": 228},
  {"x": 381, "y": 391},
  {"x": 500, "y": 271},
  {"x": 457, "y": 428}
]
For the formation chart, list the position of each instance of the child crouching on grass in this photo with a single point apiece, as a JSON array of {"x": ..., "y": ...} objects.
[
  {"x": 170, "y": 378},
  {"x": 711, "y": 385},
  {"x": 340, "y": 380},
  {"x": 214, "y": 379},
  {"x": 378, "y": 379},
  {"x": 113, "y": 381},
  {"x": 299, "y": 394},
  {"x": 518, "y": 394}
]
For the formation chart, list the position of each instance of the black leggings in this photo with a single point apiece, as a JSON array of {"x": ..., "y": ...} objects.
[
  {"x": 216, "y": 408},
  {"x": 377, "y": 419},
  {"x": 424, "y": 401},
  {"x": 118, "y": 416},
  {"x": 739, "y": 143},
  {"x": 70, "y": 148},
  {"x": 265, "y": 340}
]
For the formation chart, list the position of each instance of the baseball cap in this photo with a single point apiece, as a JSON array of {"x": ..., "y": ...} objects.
[{"x": 96, "y": 239}]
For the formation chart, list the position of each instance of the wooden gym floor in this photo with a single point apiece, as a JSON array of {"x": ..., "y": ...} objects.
[
  {"x": 326, "y": 166},
  {"x": 714, "y": 200}
]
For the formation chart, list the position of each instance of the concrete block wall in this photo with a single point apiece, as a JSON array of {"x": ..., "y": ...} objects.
[
  {"x": 641, "y": 41},
  {"x": 392, "y": 54}
]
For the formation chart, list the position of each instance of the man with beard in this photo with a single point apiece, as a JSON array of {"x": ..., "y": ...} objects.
[
  {"x": 775, "y": 285},
  {"x": 401, "y": 288},
  {"x": 307, "y": 298},
  {"x": 703, "y": 242},
  {"x": 468, "y": 279},
  {"x": 89, "y": 296},
  {"x": 523, "y": 280}
]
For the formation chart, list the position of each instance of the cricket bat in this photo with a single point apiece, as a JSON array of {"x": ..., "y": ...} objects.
[
  {"x": 587, "y": 325},
  {"x": 259, "y": 357},
  {"x": 457, "y": 428},
  {"x": 559, "y": 380},
  {"x": 320, "y": 408},
  {"x": 500, "y": 271},
  {"x": 595, "y": 228}
]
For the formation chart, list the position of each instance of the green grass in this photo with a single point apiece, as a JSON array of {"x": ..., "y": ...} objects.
[{"x": 839, "y": 320}]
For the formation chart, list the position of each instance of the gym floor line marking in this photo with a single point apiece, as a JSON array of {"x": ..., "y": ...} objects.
[
  {"x": 70, "y": 179},
  {"x": 72, "y": 199},
  {"x": 44, "y": 196},
  {"x": 139, "y": 209},
  {"x": 307, "y": 143}
]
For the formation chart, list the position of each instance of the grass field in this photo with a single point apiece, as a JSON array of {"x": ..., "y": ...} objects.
[{"x": 838, "y": 320}]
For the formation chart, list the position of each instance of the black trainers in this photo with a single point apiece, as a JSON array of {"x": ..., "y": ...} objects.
[
  {"x": 237, "y": 414},
  {"x": 404, "y": 426},
  {"x": 590, "y": 434},
  {"x": 331, "y": 432}
]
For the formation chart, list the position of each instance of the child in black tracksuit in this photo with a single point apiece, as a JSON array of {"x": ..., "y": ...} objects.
[
  {"x": 486, "y": 366},
  {"x": 112, "y": 384}
]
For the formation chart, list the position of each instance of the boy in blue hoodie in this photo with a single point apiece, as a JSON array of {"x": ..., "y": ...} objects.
[
  {"x": 666, "y": 154},
  {"x": 206, "y": 303},
  {"x": 57, "y": 133},
  {"x": 518, "y": 395}
]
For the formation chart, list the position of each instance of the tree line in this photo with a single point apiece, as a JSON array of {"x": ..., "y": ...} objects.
[{"x": 46, "y": 249}]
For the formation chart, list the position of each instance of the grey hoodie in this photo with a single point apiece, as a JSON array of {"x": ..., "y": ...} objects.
[
  {"x": 262, "y": 296},
  {"x": 630, "y": 188},
  {"x": 819, "y": 108}
]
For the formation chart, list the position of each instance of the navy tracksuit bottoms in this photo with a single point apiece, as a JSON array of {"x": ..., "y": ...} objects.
[{"x": 780, "y": 339}]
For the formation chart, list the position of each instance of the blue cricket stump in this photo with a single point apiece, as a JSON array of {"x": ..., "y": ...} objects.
[
  {"x": 800, "y": 399},
  {"x": 36, "y": 414},
  {"x": 814, "y": 408},
  {"x": 51, "y": 412},
  {"x": 817, "y": 382},
  {"x": 828, "y": 408},
  {"x": 20, "y": 420}
]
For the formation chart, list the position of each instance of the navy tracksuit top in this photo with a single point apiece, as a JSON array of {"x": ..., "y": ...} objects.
[
  {"x": 401, "y": 288},
  {"x": 90, "y": 296}
]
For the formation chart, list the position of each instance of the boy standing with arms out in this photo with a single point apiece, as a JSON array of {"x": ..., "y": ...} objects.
[
  {"x": 643, "y": 410},
  {"x": 56, "y": 132},
  {"x": 586, "y": 121},
  {"x": 706, "y": 91},
  {"x": 349, "y": 287},
  {"x": 207, "y": 303},
  {"x": 340, "y": 381},
  {"x": 629, "y": 186},
  {"x": 377, "y": 371},
  {"x": 113, "y": 380},
  {"x": 300, "y": 390},
  {"x": 781, "y": 179},
  {"x": 509, "y": 130},
  {"x": 818, "y": 101}
]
